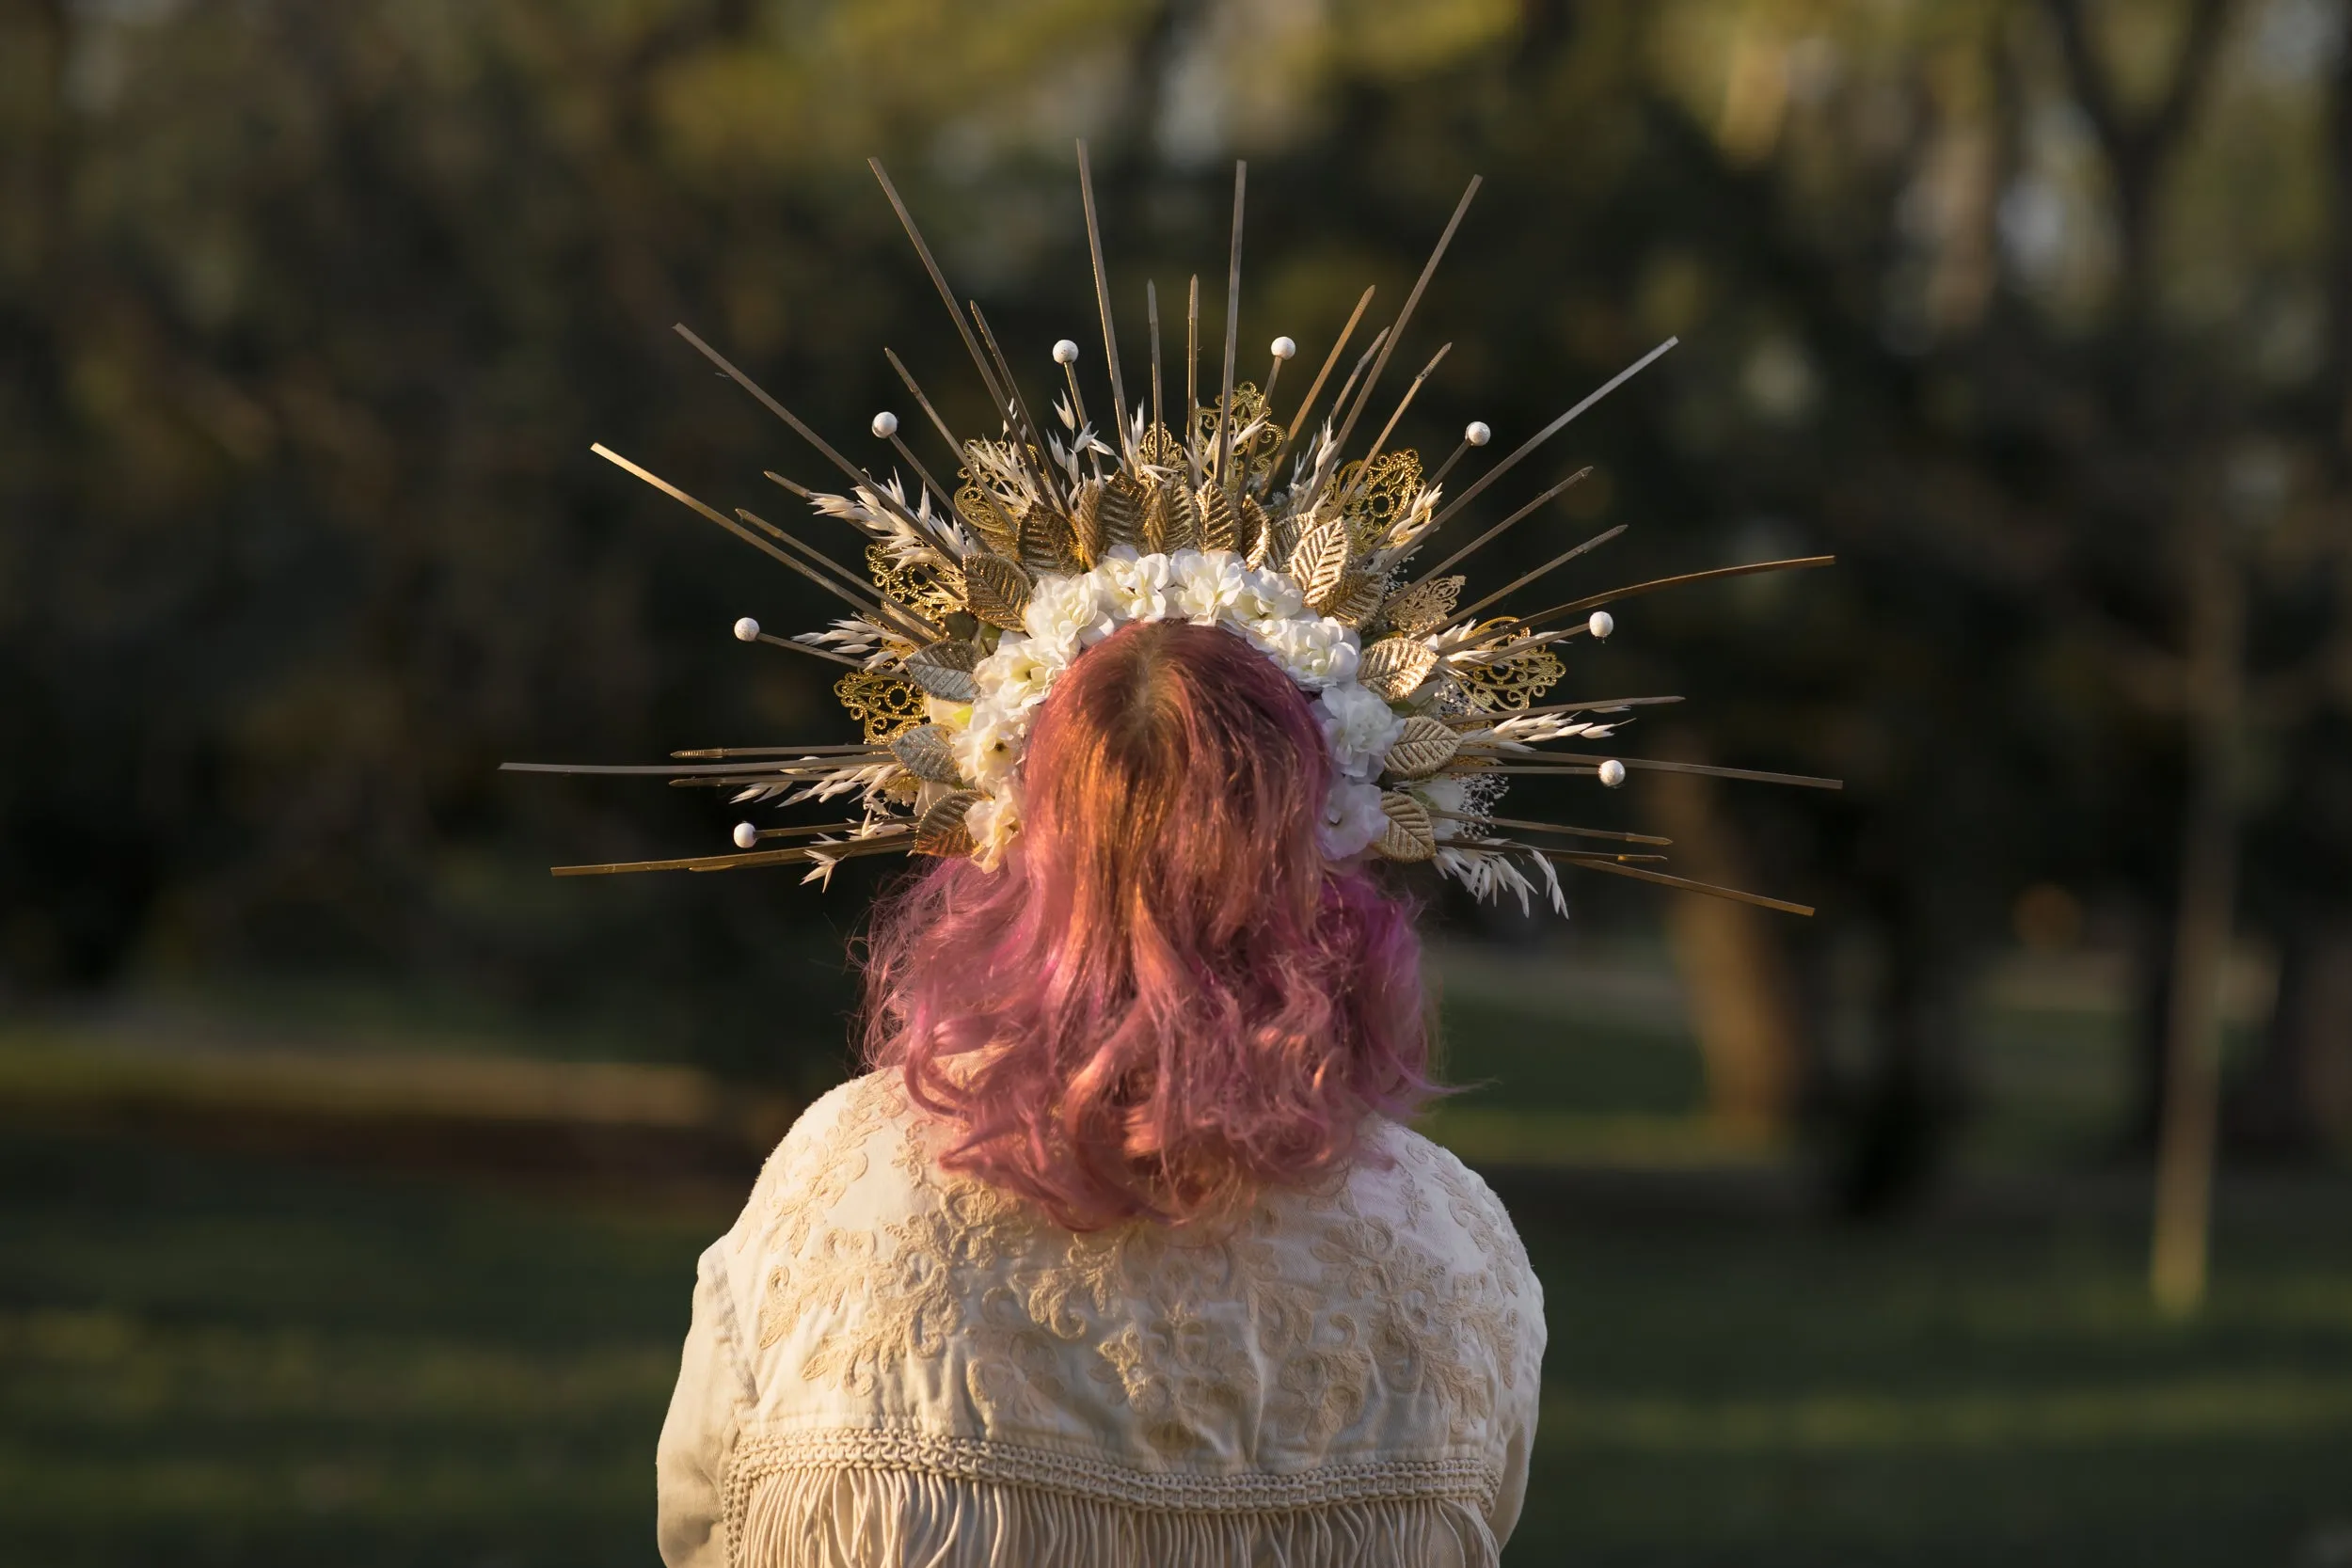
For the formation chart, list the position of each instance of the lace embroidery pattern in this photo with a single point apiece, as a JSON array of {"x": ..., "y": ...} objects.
[
  {"x": 974, "y": 1270},
  {"x": 989, "y": 1461}
]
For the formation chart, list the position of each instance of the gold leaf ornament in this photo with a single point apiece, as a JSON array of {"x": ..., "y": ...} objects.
[
  {"x": 1357, "y": 600},
  {"x": 1319, "y": 561},
  {"x": 926, "y": 752},
  {"x": 1119, "y": 516},
  {"x": 1393, "y": 666},
  {"x": 944, "y": 669},
  {"x": 1410, "y": 835},
  {"x": 1220, "y": 527},
  {"x": 996, "y": 589},
  {"x": 1174, "y": 521},
  {"x": 1426, "y": 745},
  {"x": 940, "y": 830}
]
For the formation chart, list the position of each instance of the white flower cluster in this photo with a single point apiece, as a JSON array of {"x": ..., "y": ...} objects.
[{"x": 1067, "y": 616}]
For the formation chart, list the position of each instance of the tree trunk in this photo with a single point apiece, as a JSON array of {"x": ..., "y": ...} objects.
[
  {"x": 2185, "y": 1144},
  {"x": 1743, "y": 1002},
  {"x": 2295, "y": 1097}
]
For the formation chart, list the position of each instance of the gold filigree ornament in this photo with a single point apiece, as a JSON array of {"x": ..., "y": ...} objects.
[
  {"x": 883, "y": 704},
  {"x": 966, "y": 610}
]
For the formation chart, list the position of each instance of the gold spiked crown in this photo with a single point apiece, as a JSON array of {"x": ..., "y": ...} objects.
[{"x": 973, "y": 601}]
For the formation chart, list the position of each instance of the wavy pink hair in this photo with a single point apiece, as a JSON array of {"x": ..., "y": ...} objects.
[{"x": 1165, "y": 999}]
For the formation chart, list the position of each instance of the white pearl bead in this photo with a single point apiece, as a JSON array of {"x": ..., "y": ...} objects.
[
  {"x": 1478, "y": 435},
  {"x": 1601, "y": 625},
  {"x": 885, "y": 424},
  {"x": 1612, "y": 773},
  {"x": 745, "y": 835},
  {"x": 747, "y": 630},
  {"x": 1284, "y": 348},
  {"x": 1065, "y": 352}
]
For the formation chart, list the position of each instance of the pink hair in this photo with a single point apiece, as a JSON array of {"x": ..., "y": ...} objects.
[{"x": 1165, "y": 999}]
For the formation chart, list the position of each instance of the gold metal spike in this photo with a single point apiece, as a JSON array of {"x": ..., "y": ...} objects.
[
  {"x": 1393, "y": 666},
  {"x": 996, "y": 589},
  {"x": 1410, "y": 836},
  {"x": 940, "y": 831},
  {"x": 925, "y": 751},
  {"x": 1424, "y": 745},
  {"x": 944, "y": 669}
]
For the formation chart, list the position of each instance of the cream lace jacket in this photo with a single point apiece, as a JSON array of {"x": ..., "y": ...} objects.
[{"x": 893, "y": 1365}]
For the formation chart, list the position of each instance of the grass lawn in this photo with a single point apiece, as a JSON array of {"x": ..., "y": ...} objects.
[{"x": 211, "y": 1359}]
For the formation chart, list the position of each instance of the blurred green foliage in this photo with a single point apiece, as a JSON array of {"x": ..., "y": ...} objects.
[{"x": 308, "y": 316}]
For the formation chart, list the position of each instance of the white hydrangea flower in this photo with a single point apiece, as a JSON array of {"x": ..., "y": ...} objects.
[
  {"x": 1133, "y": 590},
  {"x": 989, "y": 749},
  {"x": 1067, "y": 614},
  {"x": 1206, "y": 584},
  {"x": 1359, "y": 726},
  {"x": 1018, "y": 673},
  {"x": 1267, "y": 596},
  {"x": 1313, "y": 650},
  {"x": 994, "y": 821},
  {"x": 1352, "y": 819}
]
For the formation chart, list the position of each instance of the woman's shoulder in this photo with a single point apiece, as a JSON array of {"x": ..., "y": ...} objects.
[
  {"x": 1425, "y": 1186},
  {"x": 851, "y": 1138}
]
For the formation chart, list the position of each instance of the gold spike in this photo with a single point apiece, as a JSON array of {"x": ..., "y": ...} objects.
[
  {"x": 932, "y": 414},
  {"x": 1102, "y": 297},
  {"x": 1596, "y": 862},
  {"x": 1381, "y": 444},
  {"x": 1152, "y": 310},
  {"x": 1526, "y": 827},
  {"x": 939, "y": 281},
  {"x": 1192, "y": 377},
  {"x": 1406, "y": 315},
  {"x": 1797, "y": 563},
  {"x": 1232, "y": 335},
  {"x": 1307, "y": 406},
  {"x": 735, "y": 528},
  {"x": 847, "y": 850},
  {"x": 1552, "y": 566},
  {"x": 1550, "y": 429},
  {"x": 1512, "y": 521}
]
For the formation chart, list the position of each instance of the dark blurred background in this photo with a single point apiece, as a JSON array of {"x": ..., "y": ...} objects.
[{"x": 352, "y": 1169}]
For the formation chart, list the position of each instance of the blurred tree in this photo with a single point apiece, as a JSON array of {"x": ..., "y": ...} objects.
[{"x": 310, "y": 314}]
